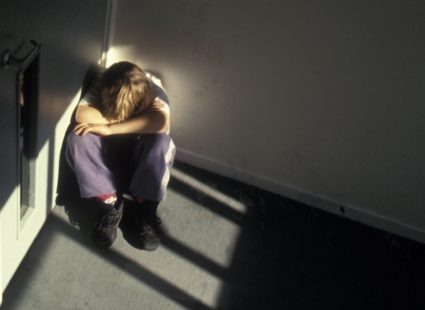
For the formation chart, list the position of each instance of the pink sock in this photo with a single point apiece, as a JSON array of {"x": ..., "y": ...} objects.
[{"x": 108, "y": 198}]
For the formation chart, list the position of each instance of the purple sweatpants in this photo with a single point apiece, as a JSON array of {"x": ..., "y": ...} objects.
[{"x": 134, "y": 164}]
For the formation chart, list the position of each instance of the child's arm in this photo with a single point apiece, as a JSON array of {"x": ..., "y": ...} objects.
[{"x": 156, "y": 119}]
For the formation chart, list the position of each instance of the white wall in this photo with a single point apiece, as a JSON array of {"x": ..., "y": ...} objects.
[{"x": 320, "y": 100}]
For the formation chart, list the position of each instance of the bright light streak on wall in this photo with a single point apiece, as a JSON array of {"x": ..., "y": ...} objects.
[{"x": 120, "y": 53}]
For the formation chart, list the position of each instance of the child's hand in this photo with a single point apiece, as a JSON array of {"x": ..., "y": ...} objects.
[
  {"x": 157, "y": 105},
  {"x": 100, "y": 130}
]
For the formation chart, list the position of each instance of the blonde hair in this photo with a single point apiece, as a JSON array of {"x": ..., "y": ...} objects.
[{"x": 124, "y": 89}]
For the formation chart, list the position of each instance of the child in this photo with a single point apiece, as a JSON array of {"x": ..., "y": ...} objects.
[{"x": 120, "y": 145}]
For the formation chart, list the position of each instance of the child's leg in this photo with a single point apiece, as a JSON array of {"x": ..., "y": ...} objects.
[
  {"x": 86, "y": 156},
  {"x": 154, "y": 155}
]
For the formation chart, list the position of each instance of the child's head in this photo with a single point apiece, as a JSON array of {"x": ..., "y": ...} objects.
[{"x": 124, "y": 88}]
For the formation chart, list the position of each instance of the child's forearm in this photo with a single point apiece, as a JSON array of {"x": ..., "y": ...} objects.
[{"x": 152, "y": 122}]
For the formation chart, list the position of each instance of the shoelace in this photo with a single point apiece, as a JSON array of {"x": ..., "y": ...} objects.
[
  {"x": 146, "y": 228},
  {"x": 109, "y": 218}
]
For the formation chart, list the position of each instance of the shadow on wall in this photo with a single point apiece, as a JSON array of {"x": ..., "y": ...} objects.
[
  {"x": 42, "y": 121},
  {"x": 70, "y": 40}
]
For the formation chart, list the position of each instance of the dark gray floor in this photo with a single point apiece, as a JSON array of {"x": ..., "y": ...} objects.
[{"x": 227, "y": 246}]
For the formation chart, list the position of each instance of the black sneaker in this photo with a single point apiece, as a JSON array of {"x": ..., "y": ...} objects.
[
  {"x": 146, "y": 232},
  {"x": 105, "y": 231},
  {"x": 140, "y": 225}
]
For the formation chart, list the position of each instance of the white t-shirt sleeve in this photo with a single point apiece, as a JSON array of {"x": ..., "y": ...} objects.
[{"x": 157, "y": 89}]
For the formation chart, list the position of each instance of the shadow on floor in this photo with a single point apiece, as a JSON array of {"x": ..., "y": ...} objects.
[
  {"x": 26, "y": 273},
  {"x": 291, "y": 256},
  {"x": 287, "y": 255}
]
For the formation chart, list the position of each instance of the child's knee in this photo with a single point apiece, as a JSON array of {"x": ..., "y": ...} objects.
[
  {"x": 157, "y": 147},
  {"x": 158, "y": 141},
  {"x": 158, "y": 137},
  {"x": 162, "y": 141},
  {"x": 75, "y": 141}
]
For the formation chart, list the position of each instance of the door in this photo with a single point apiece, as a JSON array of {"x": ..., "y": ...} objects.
[{"x": 20, "y": 217}]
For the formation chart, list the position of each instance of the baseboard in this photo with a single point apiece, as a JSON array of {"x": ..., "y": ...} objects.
[{"x": 353, "y": 212}]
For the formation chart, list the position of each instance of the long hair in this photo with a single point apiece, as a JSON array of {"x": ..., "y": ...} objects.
[{"x": 124, "y": 88}]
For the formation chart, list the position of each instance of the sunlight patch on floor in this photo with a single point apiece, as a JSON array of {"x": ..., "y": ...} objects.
[{"x": 209, "y": 190}]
